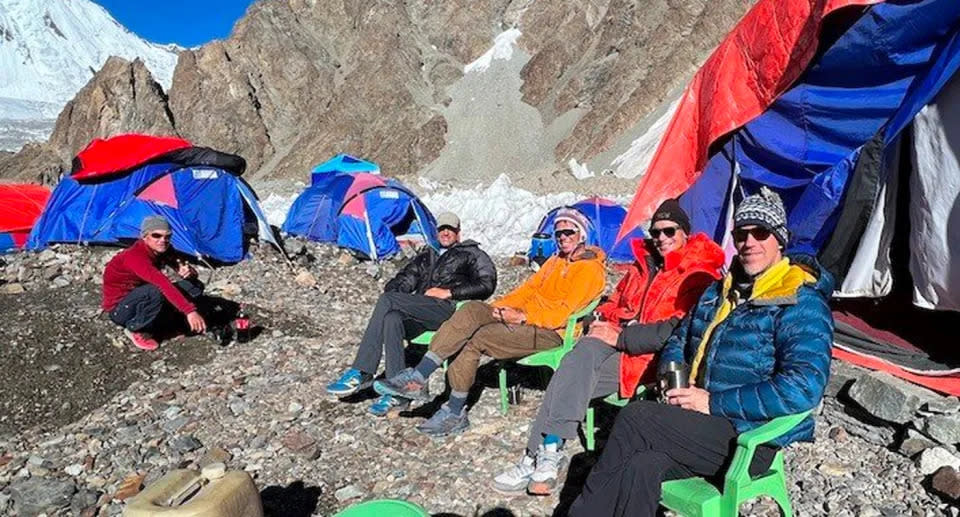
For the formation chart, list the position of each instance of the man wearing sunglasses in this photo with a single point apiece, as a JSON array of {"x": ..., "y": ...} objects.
[
  {"x": 421, "y": 297},
  {"x": 527, "y": 320},
  {"x": 138, "y": 296},
  {"x": 757, "y": 344},
  {"x": 671, "y": 271}
]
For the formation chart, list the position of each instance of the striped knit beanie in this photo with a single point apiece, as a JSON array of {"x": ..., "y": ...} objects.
[
  {"x": 573, "y": 216},
  {"x": 764, "y": 209}
]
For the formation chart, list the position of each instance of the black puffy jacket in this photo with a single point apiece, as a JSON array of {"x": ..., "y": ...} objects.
[{"x": 464, "y": 268}]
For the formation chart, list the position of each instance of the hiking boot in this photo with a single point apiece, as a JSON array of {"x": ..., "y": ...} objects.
[
  {"x": 514, "y": 480},
  {"x": 407, "y": 384},
  {"x": 386, "y": 404},
  {"x": 444, "y": 423},
  {"x": 549, "y": 464},
  {"x": 350, "y": 382},
  {"x": 141, "y": 340}
]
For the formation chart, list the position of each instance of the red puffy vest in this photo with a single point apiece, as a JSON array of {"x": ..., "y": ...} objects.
[{"x": 672, "y": 291}]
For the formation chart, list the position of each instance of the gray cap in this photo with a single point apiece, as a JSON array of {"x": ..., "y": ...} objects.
[
  {"x": 448, "y": 219},
  {"x": 154, "y": 223},
  {"x": 764, "y": 209}
]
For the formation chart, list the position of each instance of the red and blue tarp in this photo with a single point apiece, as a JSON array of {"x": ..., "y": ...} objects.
[{"x": 20, "y": 206}]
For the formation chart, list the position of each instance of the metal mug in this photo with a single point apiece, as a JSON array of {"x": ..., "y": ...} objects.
[{"x": 674, "y": 375}]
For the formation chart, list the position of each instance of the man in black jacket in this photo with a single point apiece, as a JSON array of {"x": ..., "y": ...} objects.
[{"x": 421, "y": 297}]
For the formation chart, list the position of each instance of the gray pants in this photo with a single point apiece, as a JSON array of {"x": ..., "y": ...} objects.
[{"x": 590, "y": 370}]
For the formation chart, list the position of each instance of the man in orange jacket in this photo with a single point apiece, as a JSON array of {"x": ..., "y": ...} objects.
[
  {"x": 672, "y": 270},
  {"x": 527, "y": 320}
]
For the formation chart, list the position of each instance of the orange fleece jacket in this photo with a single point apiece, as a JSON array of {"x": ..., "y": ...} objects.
[{"x": 560, "y": 288}]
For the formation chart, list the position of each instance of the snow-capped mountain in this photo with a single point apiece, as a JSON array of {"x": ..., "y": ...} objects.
[{"x": 50, "y": 48}]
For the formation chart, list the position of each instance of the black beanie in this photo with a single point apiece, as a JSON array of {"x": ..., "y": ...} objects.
[{"x": 670, "y": 210}]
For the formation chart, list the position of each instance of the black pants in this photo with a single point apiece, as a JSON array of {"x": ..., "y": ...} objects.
[
  {"x": 145, "y": 309},
  {"x": 651, "y": 443},
  {"x": 395, "y": 317}
]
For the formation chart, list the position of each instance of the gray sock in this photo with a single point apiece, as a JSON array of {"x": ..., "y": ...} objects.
[
  {"x": 458, "y": 399},
  {"x": 428, "y": 365}
]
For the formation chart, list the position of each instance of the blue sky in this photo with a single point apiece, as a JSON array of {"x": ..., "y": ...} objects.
[{"x": 185, "y": 22}]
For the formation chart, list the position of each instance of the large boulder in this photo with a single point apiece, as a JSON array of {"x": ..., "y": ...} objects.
[
  {"x": 889, "y": 398},
  {"x": 37, "y": 495}
]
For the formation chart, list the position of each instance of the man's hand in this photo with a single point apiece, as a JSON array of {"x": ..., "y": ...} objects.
[
  {"x": 692, "y": 398},
  {"x": 197, "y": 324},
  {"x": 509, "y": 315},
  {"x": 605, "y": 331},
  {"x": 437, "y": 292},
  {"x": 185, "y": 270}
]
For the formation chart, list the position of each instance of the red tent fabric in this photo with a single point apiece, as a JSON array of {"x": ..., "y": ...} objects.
[
  {"x": 760, "y": 58},
  {"x": 103, "y": 157},
  {"x": 20, "y": 206}
]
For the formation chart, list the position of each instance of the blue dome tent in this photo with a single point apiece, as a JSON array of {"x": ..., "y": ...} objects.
[
  {"x": 605, "y": 217},
  {"x": 360, "y": 211},
  {"x": 342, "y": 164},
  {"x": 211, "y": 210}
]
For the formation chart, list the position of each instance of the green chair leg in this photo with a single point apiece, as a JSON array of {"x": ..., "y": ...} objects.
[
  {"x": 590, "y": 430},
  {"x": 504, "y": 400}
]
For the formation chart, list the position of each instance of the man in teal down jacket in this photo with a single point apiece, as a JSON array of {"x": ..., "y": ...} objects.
[{"x": 757, "y": 345}]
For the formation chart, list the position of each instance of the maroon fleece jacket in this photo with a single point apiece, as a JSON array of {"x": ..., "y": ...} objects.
[{"x": 133, "y": 267}]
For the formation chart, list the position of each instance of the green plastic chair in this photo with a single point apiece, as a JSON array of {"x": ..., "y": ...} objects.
[
  {"x": 383, "y": 507},
  {"x": 549, "y": 358},
  {"x": 695, "y": 497},
  {"x": 614, "y": 400}
]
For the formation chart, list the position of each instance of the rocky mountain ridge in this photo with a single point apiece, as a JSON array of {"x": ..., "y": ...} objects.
[{"x": 299, "y": 80}]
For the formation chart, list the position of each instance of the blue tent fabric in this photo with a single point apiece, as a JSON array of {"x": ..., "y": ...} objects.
[
  {"x": 6, "y": 242},
  {"x": 376, "y": 214},
  {"x": 875, "y": 77},
  {"x": 342, "y": 163},
  {"x": 605, "y": 217},
  {"x": 207, "y": 221}
]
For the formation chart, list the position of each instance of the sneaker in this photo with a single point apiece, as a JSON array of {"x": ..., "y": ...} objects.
[
  {"x": 514, "y": 480},
  {"x": 350, "y": 382},
  {"x": 141, "y": 340},
  {"x": 388, "y": 403},
  {"x": 405, "y": 384},
  {"x": 444, "y": 423},
  {"x": 544, "y": 477}
]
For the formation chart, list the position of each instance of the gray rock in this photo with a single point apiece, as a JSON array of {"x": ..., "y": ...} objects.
[
  {"x": 348, "y": 492},
  {"x": 914, "y": 443},
  {"x": 943, "y": 405},
  {"x": 37, "y": 495},
  {"x": 82, "y": 500},
  {"x": 184, "y": 444},
  {"x": 172, "y": 426},
  {"x": 943, "y": 428},
  {"x": 889, "y": 398},
  {"x": 932, "y": 459}
]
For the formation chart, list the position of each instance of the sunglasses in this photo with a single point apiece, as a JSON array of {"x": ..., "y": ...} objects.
[
  {"x": 759, "y": 234},
  {"x": 164, "y": 236},
  {"x": 448, "y": 227},
  {"x": 669, "y": 232},
  {"x": 564, "y": 233}
]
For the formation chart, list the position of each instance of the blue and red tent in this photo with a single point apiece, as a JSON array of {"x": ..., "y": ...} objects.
[
  {"x": 813, "y": 98},
  {"x": 117, "y": 182},
  {"x": 20, "y": 207},
  {"x": 360, "y": 211},
  {"x": 605, "y": 216}
]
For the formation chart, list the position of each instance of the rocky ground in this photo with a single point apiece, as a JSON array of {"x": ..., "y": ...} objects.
[{"x": 87, "y": 420}]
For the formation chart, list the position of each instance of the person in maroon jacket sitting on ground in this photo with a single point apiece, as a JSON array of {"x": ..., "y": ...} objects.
[{"x": 139, "y": 297}]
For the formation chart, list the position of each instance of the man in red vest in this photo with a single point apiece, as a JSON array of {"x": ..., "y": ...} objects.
[
  {"x": 139, "y": 297},
  {"x": 671, "y": 271}
]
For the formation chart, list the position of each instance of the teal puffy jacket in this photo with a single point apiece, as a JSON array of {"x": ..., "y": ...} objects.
[{"x": 771, "y": 356}]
